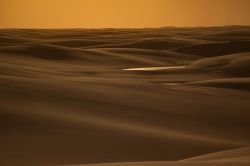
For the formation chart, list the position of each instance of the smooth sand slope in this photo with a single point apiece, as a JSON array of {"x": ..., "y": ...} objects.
[{"x": 73, "y": 97}]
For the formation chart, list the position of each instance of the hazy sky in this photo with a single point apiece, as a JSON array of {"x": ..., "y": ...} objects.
[{"x": 122, "y": 13}]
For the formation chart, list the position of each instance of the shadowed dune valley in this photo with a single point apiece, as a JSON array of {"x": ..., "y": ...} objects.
[{"x": 126, "y": 97}]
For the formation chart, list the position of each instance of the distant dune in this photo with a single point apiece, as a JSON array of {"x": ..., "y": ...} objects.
[
  {"x": 216, "y": 49},
  {"x": 39, "y": 51},
  {"x": 76, "y": 43},
  {"x": 127, "y": 97}
]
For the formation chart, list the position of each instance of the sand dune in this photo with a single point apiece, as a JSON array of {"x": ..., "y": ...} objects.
[
  {"x": 39, "y": 51},
  {"x": 235, "y": 83},
  {"x": 173, "y": 164},
  {"x": 76, "y": 43},
  {"x": 65, "y": 98},
  {"x": 216, "y": 49},
  {"x": 155, "y": 44},
  {"x": 239, "y": 157},
  {"x": 233, "y": 64},
  {"x": 5, "y": 41}
]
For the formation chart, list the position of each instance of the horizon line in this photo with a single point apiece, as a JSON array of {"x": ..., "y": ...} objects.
[{"x": 160, "y": 27}]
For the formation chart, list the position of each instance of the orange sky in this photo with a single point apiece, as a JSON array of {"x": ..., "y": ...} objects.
[{"x": 122, "y": 13}]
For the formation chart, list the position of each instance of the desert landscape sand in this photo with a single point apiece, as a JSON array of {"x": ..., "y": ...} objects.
[{"x": 127, "y": 97}]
